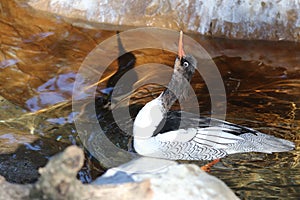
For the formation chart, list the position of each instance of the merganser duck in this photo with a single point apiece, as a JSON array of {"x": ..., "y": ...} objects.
[{"x": 209, "y": 139}]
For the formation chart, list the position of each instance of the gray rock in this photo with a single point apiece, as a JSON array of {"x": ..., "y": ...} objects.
[
  {"x": 248, "y": 19},
  {"x": 169, "y": 180}
]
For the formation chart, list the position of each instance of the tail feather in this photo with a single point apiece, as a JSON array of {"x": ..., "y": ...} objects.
[{"x": 260, "y": 142}]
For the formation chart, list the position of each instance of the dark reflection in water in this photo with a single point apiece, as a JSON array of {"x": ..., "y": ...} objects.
[{"x": 126, "y": 62}]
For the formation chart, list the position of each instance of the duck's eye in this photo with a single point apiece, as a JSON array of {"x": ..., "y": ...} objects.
[{"x": 185, "y": 64}]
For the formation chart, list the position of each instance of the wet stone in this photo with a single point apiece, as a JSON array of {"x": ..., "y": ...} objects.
[{"x": 231, "y": 19}]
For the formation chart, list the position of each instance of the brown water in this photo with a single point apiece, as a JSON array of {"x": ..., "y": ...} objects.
[{"x": 39, "y": 58}]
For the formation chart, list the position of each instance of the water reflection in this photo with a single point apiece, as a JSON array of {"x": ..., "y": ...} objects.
[
  {"x": 126, "y": 62},
  {"x": 56, "y": 90}
]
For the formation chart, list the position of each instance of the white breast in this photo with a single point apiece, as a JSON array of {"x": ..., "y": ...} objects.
[{"x": 148, "y": 119}]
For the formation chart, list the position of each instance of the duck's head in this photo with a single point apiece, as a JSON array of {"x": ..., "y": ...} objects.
[
  {"x": 179, "y": 86},
  {"x": 184, "y": 64}
]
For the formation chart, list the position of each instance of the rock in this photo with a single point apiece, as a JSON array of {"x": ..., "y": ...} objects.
[
  {"x": 58, "y": 181},
  {"x": 189, "y": 182},
  {"x": 169, "y": 180},
  {"x": 249, "y": 19},
  {"x": 156, "y": 179},
  {"x": 11, "y": 191}
]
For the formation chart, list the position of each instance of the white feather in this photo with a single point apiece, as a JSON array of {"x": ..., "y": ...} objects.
[
  {"x": 148, "y": 119},
  {"x": 180, "y": 135}
]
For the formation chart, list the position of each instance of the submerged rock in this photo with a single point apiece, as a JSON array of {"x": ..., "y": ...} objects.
[{"x": 233, "y": 19}]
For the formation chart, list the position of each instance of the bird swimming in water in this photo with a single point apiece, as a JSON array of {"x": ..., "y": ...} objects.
[{"x": 209, "y": 139}]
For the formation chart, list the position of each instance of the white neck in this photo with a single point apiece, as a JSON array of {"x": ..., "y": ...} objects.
[{"x": 148, "y": 119}]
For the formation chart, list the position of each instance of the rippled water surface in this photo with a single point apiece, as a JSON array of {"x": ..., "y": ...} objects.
[{"x": 39, "y": 59}]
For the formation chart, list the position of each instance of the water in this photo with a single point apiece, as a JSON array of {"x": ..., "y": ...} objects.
[{"x": 40, "y": 58}]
